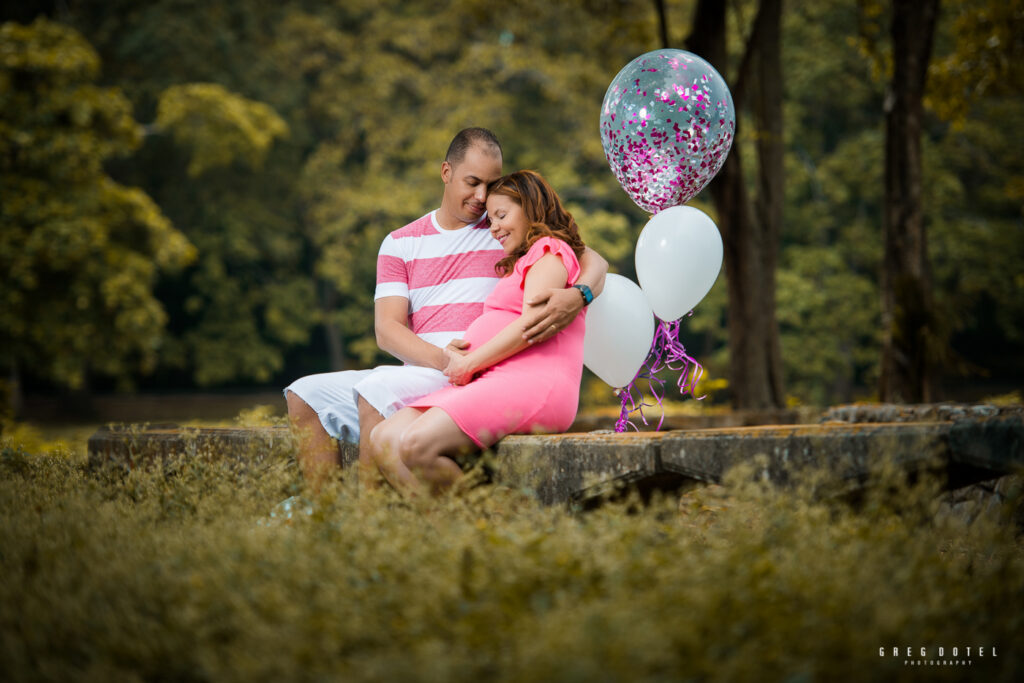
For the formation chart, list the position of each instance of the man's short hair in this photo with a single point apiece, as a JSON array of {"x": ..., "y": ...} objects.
[{"x": 468, "y": 137}]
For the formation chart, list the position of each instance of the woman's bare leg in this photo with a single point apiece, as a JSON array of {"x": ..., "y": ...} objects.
[
  {"x": 385, "y": 441},
  {"x": 426, "y": 444}
]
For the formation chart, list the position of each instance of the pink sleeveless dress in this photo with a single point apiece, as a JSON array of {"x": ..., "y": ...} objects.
[{"x": 536, "y": 390}]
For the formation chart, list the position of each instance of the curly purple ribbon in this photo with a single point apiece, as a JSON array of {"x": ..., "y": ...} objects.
[{"x": 666, "y": 352}]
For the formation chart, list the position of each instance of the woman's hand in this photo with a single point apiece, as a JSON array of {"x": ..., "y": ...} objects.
[{"x": 460, "y": 369}]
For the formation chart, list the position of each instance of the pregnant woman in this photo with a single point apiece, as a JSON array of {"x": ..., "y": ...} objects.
[{"x": 501, "y": 385}]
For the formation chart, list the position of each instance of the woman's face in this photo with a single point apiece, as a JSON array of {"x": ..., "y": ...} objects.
[{"x": 508, "y": 222}]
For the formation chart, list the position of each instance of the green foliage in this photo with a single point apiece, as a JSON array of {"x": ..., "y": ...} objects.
[
  {"x": 370, "y": 111},
  {"x": 175, "y": 572},
  {"x": 218, "y": 126},
  {"x": 285, "y": 140},
  {"x": 80, "y": 253},
  {"x": 48, "y": 48},
  {"x": 392, "y": 113},
  {"x": 829, "y": 319},
  {"x": 828, "y": 296},
  {"x": 985, "y": 59}
]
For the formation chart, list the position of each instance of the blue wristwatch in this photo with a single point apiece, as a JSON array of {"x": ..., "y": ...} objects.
[{"x": 588, "y": 296}]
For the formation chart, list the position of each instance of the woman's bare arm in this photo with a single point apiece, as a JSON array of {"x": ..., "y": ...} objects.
[{"x": 547, "y": 273}]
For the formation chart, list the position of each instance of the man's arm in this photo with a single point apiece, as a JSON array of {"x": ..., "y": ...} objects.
[
  {"x": 394, "y": 335},
  {"x": 561, "y": 306},
  {"x": 593, "y": 269}
]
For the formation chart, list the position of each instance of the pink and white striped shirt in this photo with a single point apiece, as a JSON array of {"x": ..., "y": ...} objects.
[{"x": 445, "y": 274}]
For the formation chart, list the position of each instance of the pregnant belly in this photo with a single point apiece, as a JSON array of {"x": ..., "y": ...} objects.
[{"x": 486, "y": 326}]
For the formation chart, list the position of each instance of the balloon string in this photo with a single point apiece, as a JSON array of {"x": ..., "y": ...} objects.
[{"x": 666, "y": 352}]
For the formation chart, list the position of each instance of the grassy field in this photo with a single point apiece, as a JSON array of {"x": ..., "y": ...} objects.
[{"x": 178, "y": 574}]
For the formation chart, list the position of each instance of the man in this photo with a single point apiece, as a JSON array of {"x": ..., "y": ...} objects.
[{"x": 432, "y": 278}]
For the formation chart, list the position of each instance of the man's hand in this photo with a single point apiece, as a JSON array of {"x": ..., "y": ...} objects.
[
  {"x": 441, "y": 356},
  {"x": 560, "y": 308},
  {"x": 458, "y": 371},
  {"x": 457, "y": 347}
]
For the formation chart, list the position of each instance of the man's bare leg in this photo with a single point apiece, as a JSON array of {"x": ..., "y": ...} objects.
[
  {"x": 318, "y": 452},
  {"x": 369, "y": 476}
]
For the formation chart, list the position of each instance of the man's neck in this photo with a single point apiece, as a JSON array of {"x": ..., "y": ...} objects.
[{"x": 449, "y": 222}]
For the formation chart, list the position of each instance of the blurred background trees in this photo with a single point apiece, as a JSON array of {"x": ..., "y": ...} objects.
[
  {"x": 193, "y": 194},
  {"x": 750, "y": 218},
  {"x": 80, "y": 252}
]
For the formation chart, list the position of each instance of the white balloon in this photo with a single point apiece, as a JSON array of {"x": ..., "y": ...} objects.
[
  {"x": 678, "y": 258},
  {"x": 620, "y": 329}
]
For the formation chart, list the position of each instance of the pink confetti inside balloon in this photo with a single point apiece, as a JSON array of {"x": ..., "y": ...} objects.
[{"x": 667, "y": 124}]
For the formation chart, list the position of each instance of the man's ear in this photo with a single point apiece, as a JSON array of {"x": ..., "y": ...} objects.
[{"x": 446, "y": 172}]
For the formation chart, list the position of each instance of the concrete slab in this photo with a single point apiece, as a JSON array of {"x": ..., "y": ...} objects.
[
  {"x": 846, "y": 452},
  {"x": 133, "y": 444},
  {"x": 130, "y": 446},
  {"x": 926, "y": 412},
  {"x": 995, "y": 444},
  {"x": 579, "y": 467}
]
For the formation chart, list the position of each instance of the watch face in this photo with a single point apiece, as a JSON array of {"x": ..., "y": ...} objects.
[{"x": 588, "y": 296}]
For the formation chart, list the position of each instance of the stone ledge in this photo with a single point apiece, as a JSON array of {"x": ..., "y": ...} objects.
[
  {"x": 582, "y": 466},
  {"x": 846, "y": 452},
  {"x": 968, "y": 451},
  {"x": 130, "y": 446},
  {"x": 566, "y": 467},
  {"x": 929, "y": 412},
  {"x": 705, "y": 420}
]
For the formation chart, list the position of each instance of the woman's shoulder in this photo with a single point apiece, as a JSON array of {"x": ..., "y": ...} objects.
[
  {"x": 554, "y": 246},
  {"x": 549, "y": 244}
]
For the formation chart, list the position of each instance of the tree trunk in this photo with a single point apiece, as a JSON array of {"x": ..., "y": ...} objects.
[
  {"x": 335, "y": 342},
  {"x": 911, "y": 341},
  {"x": 659, "y": 6},
  {"x": 15, "y": 398},
  {"x": 750, "y": 229}
]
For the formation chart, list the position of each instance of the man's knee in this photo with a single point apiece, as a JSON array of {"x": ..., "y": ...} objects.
[
  {"x": 304, "y": 418},
  {"x": 368, "y": 415},
  {"x": 377, "y": 435},
  {"x": 297, "y": 407}
]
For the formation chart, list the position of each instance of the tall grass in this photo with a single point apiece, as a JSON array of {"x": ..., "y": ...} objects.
[{"x": 176, "y": 573}]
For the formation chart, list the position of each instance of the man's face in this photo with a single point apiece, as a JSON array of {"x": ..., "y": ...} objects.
[{"x": 465, "y": 189}]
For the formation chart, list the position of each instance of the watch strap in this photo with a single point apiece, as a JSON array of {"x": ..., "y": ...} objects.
[{"x": 588, "y": 296}]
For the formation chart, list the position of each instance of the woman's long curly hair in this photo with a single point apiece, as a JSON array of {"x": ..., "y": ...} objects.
[{"x": 544, "y": 211}]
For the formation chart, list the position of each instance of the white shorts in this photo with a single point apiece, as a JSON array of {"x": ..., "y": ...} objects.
[{"x": 388, "y": 388}]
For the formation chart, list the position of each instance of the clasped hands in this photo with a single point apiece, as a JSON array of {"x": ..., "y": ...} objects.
[{"x": 458, "y": 369}]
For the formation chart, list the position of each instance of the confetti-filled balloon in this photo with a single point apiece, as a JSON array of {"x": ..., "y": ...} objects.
[{"x": 667, "y": 124}]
